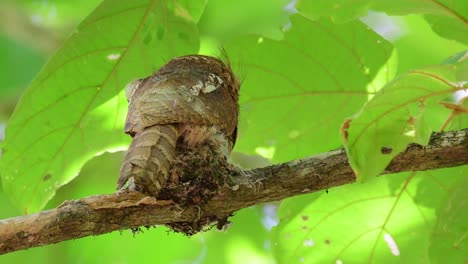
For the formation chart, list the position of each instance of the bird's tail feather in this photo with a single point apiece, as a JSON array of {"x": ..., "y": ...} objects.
[{"x": 148, "y": 160}]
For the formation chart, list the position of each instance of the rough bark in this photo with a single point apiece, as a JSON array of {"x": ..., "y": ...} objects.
[{"x": 129, "y": 210}]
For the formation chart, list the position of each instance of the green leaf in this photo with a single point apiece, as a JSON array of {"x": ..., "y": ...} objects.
[
  {"x": 297, "y": 91},
  {"x": 338, "y": 11},
  {"x": 194, "y": 8},
  {"x": 75, "y": 108},
  {"x": 389, "y": 220},
  {"x": 125, "y": 247},
  {"x": 458, "y": 120},
  {"x": 448, "y": 18},
  {"x": 449, "y": 243},
  {"x": 453, "y": 24},
  {"x": 398, "y": 115},
  {"x": 452, "y": 27},
  {"x": 225, "y": 19}
]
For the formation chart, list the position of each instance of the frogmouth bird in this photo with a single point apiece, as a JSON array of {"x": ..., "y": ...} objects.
[{"x": 190, "y": 100}]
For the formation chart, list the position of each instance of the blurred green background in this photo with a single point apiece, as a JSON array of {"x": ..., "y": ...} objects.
[{"x": 30, "y": 32}]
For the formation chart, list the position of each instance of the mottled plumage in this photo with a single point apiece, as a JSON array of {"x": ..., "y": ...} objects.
[{"x": 190, "y": 100}]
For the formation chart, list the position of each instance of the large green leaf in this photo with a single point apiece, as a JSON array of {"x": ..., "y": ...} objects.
[
  {"x": 448, "y": 18},
  {"x": 398, "y": 115},
  {"x": 225, "y": 19},
  {"x": 393, "y": 219},
  {"x": 449, "y": 243},
  {"x": 297, "y": 91},
  {"x": 346, "y": 10},
  {"x": 75, "y": 107}
]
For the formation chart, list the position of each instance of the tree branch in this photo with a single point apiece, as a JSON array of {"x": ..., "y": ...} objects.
[{"x": 106, "y": 213}]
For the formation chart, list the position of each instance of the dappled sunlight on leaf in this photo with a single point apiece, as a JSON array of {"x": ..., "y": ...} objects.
[
  {"x": 384, "y": 76},
  {"x": 448, "y": 18},
  {"x": 387, "y": 220},
  {"x": 297, "y": 91},
  {"x": 399, "y": 115},
  {"x": 303, "y": 77},
  {"x": 74, "y": 109}
]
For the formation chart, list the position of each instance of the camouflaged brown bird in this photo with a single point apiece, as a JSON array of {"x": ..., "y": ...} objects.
[{"x": 190, "y": 100}]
